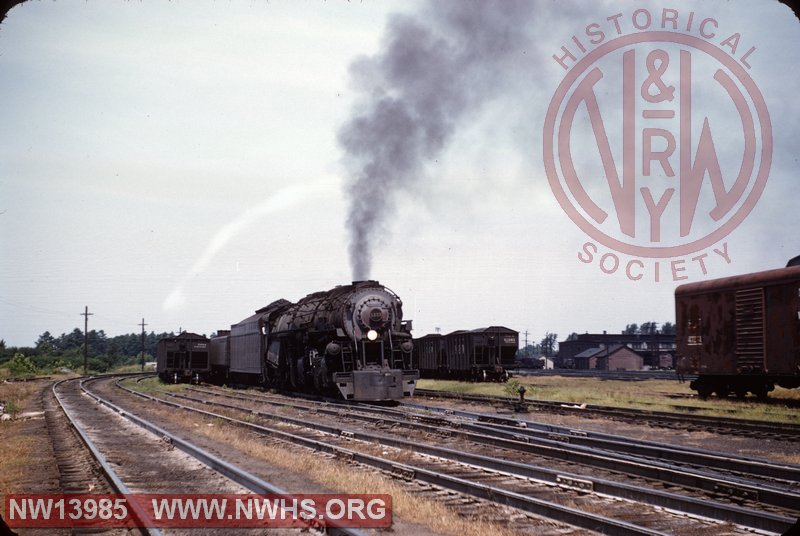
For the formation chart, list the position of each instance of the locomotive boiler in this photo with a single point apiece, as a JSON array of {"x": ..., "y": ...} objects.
[{"x": 350, "y": 340}]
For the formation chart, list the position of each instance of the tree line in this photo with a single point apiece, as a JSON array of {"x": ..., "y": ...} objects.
[
  {"x": 546, "y": 347},
  {"x": 650, "y": 328},
  {"x": 52, "y": 353}
]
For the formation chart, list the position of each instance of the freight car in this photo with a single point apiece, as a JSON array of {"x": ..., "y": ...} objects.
[
  {"x": 184, "y": 357},
  {"x": 740, "y": 334},
  {"x": 350, "y": 340},
  {"x": 479, "y": 355}
]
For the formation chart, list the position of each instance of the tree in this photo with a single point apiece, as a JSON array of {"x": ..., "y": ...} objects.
[
  {"x": 68, "y": 342},
  {"x": 45, "y": 343},
  {"x": 549, "y": 344},
  {"x": 631, "y": 329},
  {"x": 668, "y": 328},
  {"x": 45, "y": 338},
  {"x": 98, "y": 343},
  {"x": 529, "y": 351},
  {"x": 648, "y": 328}
]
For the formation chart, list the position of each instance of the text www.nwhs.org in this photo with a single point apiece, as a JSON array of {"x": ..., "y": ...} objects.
[{"x": 198, "y": 510}]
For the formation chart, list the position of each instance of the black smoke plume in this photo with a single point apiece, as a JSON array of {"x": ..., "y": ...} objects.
[{"x": 435, "y": 68}]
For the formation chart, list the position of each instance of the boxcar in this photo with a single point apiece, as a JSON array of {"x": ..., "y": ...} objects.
[
  {"x": 740, "y": 334},
  {"x": 184, "y": 357}
]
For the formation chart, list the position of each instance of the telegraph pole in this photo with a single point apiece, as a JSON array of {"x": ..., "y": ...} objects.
[
  {"x": 143, "y": 325},
  {"x": 85, "y": 314}
]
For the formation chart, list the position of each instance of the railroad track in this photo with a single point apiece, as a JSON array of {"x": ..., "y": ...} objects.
[
  {"x": 759, "y": 481},
  {"x": 573, "y": 488},
  {"x": 768, "y": 474},
  {"x": 529, "y": 431},
  {"x": 664, "y": 419},
  {"x": 630, "y": 375},
  {"x": 83, "y": 470},
  {"x": 172, "y": 464}
]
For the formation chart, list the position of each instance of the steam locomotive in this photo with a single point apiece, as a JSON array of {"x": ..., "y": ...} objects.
[
  {"x": 741, "y": 334},
  {"x": 349, "y": 341}
]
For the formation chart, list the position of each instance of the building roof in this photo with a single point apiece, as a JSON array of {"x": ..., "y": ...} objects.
[
  {"x": 589, "y": 353},
  {"x": 604, "y": 351},
  {"x": 622, "y": 337}
]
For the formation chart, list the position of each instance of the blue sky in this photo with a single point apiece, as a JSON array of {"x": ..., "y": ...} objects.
[{"x": 179, "y": 161}]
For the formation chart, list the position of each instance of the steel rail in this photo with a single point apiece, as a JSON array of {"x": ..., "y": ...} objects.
[
  {"x": 654, "y": 469},
  {"x": 698, "y": 507},
  {"x": 650, "y": 416},
  {"x": 514, "y": 429},
  {"x": 238, "y": 475},
  {"x": 650, "y": 449},
  {"x": 540, "y": 507},
  {"x": 113, "y": 478}
]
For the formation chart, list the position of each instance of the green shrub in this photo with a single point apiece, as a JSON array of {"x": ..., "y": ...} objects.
[{"x": 21, "y": 365}]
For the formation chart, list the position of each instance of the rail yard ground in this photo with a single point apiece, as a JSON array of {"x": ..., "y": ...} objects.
[
  {"x": 658, "y": 395},
  {"x": 28, "y": 463}
]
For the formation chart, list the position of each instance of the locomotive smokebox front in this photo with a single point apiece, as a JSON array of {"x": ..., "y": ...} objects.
[{"x": 373, "y": 312}]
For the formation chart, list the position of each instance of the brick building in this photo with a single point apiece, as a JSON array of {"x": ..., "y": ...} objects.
[
  {"x": 657, "y": 350},
  {"x": 615, "y": 357}
]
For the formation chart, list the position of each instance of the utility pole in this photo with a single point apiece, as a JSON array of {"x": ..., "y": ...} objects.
[
  {"x": 143, "y": 325},
  {"x": 85, "y": 314},
  {"x": 527, "y": 354}
]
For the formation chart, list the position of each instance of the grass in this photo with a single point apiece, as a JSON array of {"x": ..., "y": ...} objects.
[
  {"x": 344, "y": 478},
  {"x": 15, "y": 461},
  {"x": 646, "y": 394},
  {"x": 334, "y": 475},
  {"x": 15, "y": 395},
  {"x": 18, "y": 448},
  {"x": 154, "y": 385},
  {"x": 124, "y": 369}
]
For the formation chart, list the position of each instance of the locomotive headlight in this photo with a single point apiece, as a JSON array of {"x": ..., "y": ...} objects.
[{"x": 372, "y": 334}]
